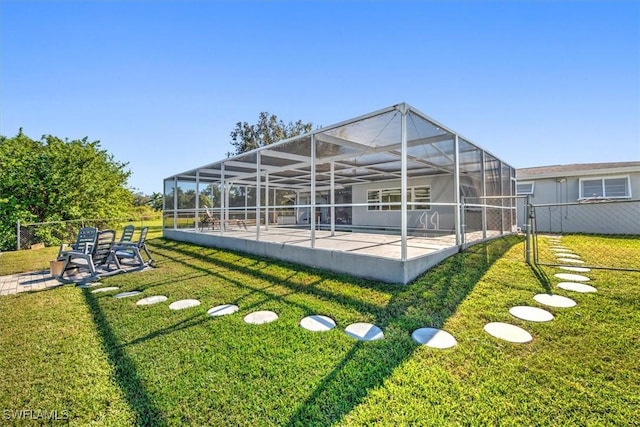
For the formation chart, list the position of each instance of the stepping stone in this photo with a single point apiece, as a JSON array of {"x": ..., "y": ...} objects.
[
  {"x": 507, "y": 332},
  {"x": 572, "y": 277},
  {"x": 435, "y": 338},
  {"x": 90, "y": 285},
  {"x": 576, "y": 269},
  {"x": 107, "y": 289},
  {"x": 554, "y": 300},
  {"x": 222, "y": 310},
  {"x": 576, "y": 287},
  {"x": 364, "y": 331},
  {"x": 127, "y": 294},
  {"x": 532, "y": 314},
  {"x": 155, "y": 299},
  {"x": 260, "y": 317},
  {"x": 184, "y": 303},
  {"x": 571, "y": 260},
  {"x": 568, "y": 255},
  {"x": 317, "y": 323},
  {"x": 562, "y": 253}
]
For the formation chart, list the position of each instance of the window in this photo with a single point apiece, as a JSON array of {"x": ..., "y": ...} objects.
[
  {"x": 421, "y": 195},
  {"x": 524, "y": 188},
  {"x": 613, "y": 187},
  {"x": 385, "y": 199},
  {"x": 373, "y": 199}
]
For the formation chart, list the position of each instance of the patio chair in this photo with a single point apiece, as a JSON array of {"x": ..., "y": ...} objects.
[
  {"x": 84, "y": 242},
  {"x": 207, "y": 220},
  {"x": 93, "y": 258},
  {"x": 131, "y": 250},
  {"x": 127, "y": 233}
]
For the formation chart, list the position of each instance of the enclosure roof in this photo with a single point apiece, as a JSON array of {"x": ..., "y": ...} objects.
[
  {"x": 557, "y": 171},
  {"x": 360, "y": 150}
]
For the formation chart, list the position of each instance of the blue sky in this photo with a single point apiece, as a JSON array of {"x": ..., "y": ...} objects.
[{"x": 162, "y": 83}]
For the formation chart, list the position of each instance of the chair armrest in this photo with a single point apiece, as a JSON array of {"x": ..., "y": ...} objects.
[
  {"x": 84, "y": 248},
  {"x": 124, "y": 245},
  {"x": 62, "y": 250}
]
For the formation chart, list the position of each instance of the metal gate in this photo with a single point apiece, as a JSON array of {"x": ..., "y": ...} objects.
[{"x": 601, "y": 234}]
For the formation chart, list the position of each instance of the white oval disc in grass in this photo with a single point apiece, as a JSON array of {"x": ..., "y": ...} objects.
[
  {"x": 318, "y": 323},
  {"x": 107, "y": 289},
  {"x": 560, "y": 249},
  {"x": 576, "y": 269},
  {"x": 222, "y": 310},
  {"x": 532, "y": 314},
  {"x": 432, "y": 337},
  {"x": 260, "y": 317},
  {"x": 567, "y": 255},
  {"x": 184, "y": 303},
  {"x": 554, "y": 300},
  {"x": 572, "y": 277},
  {"x": 155, "y": 299},
  {"x": 90, "y": 285},
  {"x": 576, "y": 287},
  {"x": 127, "y": 294},
  {"x": 571, "y": 260},
  {"x": 364, "y": 331},
  {"x": 507, "y": 332}
]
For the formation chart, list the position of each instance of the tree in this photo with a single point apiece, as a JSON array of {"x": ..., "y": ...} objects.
[
  {"x": 55, "y": 180},
  {"x": 155, "y": 201},
  {"x": 140, "y": 199},
  {"x": 269, "y": 129}
]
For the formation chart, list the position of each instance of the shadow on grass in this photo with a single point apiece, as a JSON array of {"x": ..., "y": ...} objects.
[
  {"x": 427, "y": 302},
  {"x": 542, "y": 277},
  {"x": 126, "y": 376}
]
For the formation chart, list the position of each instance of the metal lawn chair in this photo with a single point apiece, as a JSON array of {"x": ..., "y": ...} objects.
[
  {"x": 127, "y": 234},
  {"x": 207, "y": 219},
  {"x": 84, "y": 242},
  {"x": 131, "y": 250},
  {"x": 94, "y": 258}
]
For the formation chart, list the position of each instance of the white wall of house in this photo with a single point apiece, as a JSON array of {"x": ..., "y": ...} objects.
[
  {"x": 442, "y": 191},
  {"x": 589, "y": 218}
]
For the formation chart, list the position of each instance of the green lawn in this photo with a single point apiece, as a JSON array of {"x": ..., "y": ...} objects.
[
  {"x": 110, "y": 362},
  {"x": 38, "y": 259}
]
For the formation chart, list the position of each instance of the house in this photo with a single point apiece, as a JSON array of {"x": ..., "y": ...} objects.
[
  {"x": 386, "y": 195},
  {"x": 571, "y": 198}
]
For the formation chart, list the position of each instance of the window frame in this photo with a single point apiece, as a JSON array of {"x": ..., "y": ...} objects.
[
  {"x": 377, "y": 204},
  {"x": 603, "y": 179},
  {"x": 533, "y": 186}
]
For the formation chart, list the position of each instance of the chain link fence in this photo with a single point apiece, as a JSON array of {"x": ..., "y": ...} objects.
[
  {"x": 484, "y": 218},
  {"x": 604, "y": 233},
  {"x": 56, "y": 232}
]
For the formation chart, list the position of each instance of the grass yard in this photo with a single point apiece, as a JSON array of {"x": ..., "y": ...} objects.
[
  {"x": 97, "y": 359},
  {"x": 38, "y": 259}
]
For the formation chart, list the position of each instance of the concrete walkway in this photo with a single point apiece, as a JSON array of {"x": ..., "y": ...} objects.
[
  {"x": 41, "y": 280},
  {"x": 25, "y": 282}
]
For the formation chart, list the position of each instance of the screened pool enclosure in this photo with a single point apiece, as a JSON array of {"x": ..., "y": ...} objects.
[{"x": 385, "y": 196}]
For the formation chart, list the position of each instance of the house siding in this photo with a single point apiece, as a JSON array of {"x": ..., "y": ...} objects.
[{"x": 562, "y": 186}]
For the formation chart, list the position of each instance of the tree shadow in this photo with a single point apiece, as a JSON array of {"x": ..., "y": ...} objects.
[
  {"x": 125, "y": 373},
  {"x": 427, "y": 302}
]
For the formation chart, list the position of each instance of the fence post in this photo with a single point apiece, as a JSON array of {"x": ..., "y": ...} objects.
[
  {"x": 527, "y": 224},
  {"x": 18, "y": 235},
  {"x": 463, "y": 224}
]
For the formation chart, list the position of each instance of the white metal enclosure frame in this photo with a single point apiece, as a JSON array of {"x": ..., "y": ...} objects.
[{"x": 394, "y": 171}]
